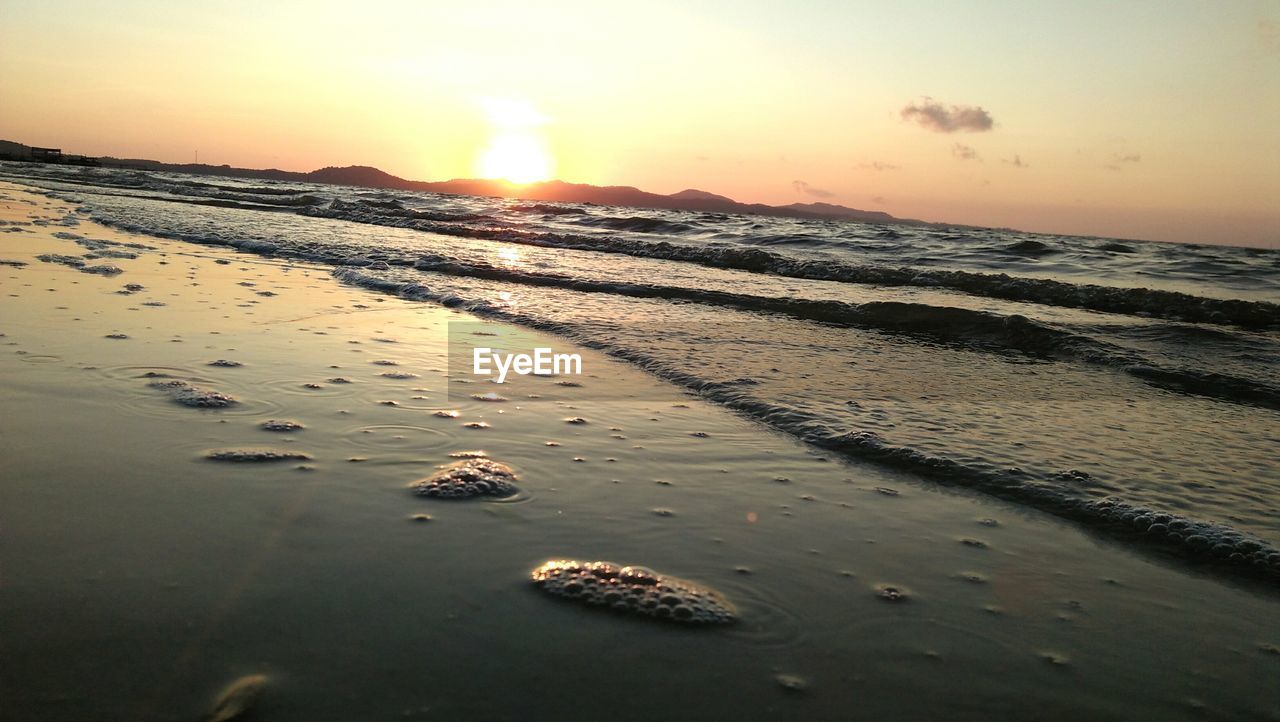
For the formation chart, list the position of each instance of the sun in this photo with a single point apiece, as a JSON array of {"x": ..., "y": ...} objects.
[
  {"x": 517, "y": 156},
  {"x": 516, "y": 150}
]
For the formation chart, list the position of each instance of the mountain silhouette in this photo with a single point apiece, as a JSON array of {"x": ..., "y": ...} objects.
[{"x": 364, "y": 176}]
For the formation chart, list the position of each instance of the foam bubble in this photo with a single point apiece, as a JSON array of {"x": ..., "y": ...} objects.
[
  {"x": 189, "y": 394},
  {"x": 255, "y": 455},
  {"x": 635, "y": 590},
  {"x": 399, "y": 375},
  {"x": 469, "y": 478},
  {"x": 282, "y": 425}
]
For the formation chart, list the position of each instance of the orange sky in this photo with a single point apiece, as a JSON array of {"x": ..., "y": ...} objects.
[{"x": 1141, "y": 119}]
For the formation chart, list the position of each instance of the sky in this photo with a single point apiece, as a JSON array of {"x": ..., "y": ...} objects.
[{"x": 1135, "y": 119}]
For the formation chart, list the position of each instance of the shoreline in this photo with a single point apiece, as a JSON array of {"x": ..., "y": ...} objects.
[{"x": 120, "y": 537}]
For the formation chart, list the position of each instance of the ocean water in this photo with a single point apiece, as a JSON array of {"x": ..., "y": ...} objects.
[{"x": 1130, "y": 387}]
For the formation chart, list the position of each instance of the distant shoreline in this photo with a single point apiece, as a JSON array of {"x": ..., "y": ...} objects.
[{"x": 556, "y": 191}]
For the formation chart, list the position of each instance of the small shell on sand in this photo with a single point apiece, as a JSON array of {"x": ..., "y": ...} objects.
[
  {"x": 791, "y": 682},
  {"x": 238, "y": 699},
  {"x": 891, "y": 593},
  {"x": 188, "y": 394},
  {"x": 635, "y": 590},
  {"x": 467, "y": 479},
  {"x": 255, "y": 455}
]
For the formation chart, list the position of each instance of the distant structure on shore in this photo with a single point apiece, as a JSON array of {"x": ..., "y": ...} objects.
[{"x": 33, "y": 154}]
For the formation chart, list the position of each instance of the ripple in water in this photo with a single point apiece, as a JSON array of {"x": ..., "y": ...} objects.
[{"x": 397, "y": 437}]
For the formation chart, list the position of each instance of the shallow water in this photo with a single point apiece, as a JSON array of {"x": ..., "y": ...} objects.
[
  {"x": 140, "y": 578},
  {"x": 1036, "y": 381}
]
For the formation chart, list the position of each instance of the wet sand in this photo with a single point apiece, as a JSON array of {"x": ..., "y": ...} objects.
[{"x": 139, "y": 578}]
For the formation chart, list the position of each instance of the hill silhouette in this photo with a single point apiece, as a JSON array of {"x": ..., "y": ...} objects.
[{"x": 363, "y": 176}]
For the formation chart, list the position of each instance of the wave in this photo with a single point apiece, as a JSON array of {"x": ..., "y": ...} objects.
[
  {"x": 390, "y": 213},
  {"x": 372, "y": 265},
  {"x": 635, "y": 224},
  {"x": 962, "y": 326},
  {"x": 1218, "y": 546},
  {"x": 1173, "y": 305},
  {"x": 1030, "y": 248},
  {"x": 546, "y": 209}
]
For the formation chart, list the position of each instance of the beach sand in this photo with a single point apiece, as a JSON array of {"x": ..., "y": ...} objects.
[{"x": 138, "y": 578}]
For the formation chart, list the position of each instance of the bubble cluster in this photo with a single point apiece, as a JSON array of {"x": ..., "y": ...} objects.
[
  {"x": 467, "y": 479},
  {"x": 282, "y": 425},
  {"x": 102, "y": 270},
  {"x": 189, "y": 394},
  {"x": 469, "y": 454},
  {"x": 255, "y": 455},
  {"x": 1200, "y": 539},
  {"x": 61, "y": 259},
  {"x": 635, "y": 590}
]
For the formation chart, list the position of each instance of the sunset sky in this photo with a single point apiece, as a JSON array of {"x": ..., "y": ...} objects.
[{"x": 1134, "y": 119}]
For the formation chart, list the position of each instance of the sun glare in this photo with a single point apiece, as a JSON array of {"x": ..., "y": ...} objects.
[
  {"x": 516, "y": 150},
  {"x": 519, "y": 157}
]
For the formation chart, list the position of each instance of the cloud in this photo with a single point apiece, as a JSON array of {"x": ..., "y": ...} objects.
[
  {"x": 964, "y": 152},
  {"x": 879, "y": 200},
  {"x": 1117, "y": 160},
  {"x": 877, "y": 166},
  {"x": 939, "y": 118},
  {"x": 805, "y": 188},
  {"x": 1017, "y": 162}
]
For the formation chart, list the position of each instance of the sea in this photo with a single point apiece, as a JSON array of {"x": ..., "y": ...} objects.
[{"x": 1130, "y": 387}]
